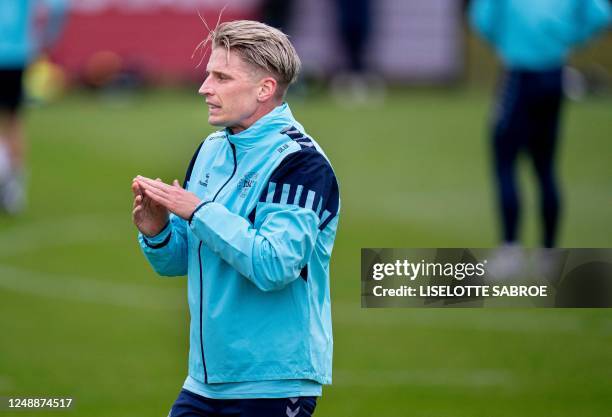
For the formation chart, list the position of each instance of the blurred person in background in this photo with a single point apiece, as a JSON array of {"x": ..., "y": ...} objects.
[
  {"x": 533, "y": 39},
  {"x": 355, "y": 26},
  {"x": 20, "y": 42},
  {"x": 277, "y": 13},
  {"x": 355, "y": 83}
]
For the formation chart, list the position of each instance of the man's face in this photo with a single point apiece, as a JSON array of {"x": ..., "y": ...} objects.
[{"x": 230, "y": 89}]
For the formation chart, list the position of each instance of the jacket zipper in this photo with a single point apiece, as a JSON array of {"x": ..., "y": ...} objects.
[{"x": 200, "y": 262}]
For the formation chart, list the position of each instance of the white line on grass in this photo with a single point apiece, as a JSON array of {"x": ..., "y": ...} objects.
[
  {"x": 541, "y": 321},
  {"x": 23, "y": 239},
  {"x": 89, "y": 290},
  {"x": 472, "y": 378}
]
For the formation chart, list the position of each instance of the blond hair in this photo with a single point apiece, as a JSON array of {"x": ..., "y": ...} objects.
[{"x": 260, "y": 45}]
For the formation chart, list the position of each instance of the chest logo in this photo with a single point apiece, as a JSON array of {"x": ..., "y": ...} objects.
[
  {"x": 205, "y": 182},
  {"x": 246, "y": 183}
]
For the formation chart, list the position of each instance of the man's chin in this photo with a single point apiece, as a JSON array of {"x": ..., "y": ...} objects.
[{"x": 215, "y": 121}]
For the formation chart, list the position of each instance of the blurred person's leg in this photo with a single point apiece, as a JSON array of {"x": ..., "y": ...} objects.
[
  {"x": 11, "y": 128},
  {"x": 12, "y": 143},
  {"x": 355, "y": 84},
  {"x": 509, "y": 132},
  {"x": 354, "y": 24},
  {"x": 542, "y": 149}
]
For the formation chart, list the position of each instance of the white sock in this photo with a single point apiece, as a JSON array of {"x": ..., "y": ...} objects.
[
  {"x": 12, "y": 195},
  {"x": 5, "y": 163}
]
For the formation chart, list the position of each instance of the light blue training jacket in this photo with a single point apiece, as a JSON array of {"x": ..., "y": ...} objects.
[
  {"x": 19, "y": 41},
  {"x": 538, "y": 35},
  {"x": 256, "y": 253}
]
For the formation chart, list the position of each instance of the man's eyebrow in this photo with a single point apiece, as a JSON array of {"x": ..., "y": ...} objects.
[{"x": 217, "y": 72}]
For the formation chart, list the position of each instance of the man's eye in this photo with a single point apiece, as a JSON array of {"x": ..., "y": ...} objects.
[{"x": 222, "y": 77}]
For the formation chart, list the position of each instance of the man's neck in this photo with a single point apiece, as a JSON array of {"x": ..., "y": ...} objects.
[{"x": 258, "y": 114}]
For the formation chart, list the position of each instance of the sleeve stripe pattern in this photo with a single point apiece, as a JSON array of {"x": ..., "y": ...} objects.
[
  {"x": 305, "y": 179},
  {"x": 270, "y": 196},
  {"x": 303, "y": 140},
  {"x": 285, "y": 194},
  {"x": 325, "y": 216},
  {"x": 292, "y": 194}
]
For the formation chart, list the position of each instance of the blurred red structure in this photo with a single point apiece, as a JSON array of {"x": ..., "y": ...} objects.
[
  {"x": 411, "y": 41},
  {"x": 156, "y": 43}
]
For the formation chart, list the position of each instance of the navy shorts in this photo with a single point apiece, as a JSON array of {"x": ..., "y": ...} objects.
[
  {"x": 11, "y": 89},
  {"x": 189, "y": 404}
]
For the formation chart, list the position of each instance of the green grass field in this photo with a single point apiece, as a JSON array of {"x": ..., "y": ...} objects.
[{"x": 83, "y": 316}]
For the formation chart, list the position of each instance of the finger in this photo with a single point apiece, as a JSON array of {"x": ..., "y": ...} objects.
[
  {"x": 160, "y": 199},
  {"x": 161, "y": 204},
  {"x": 158, "y": 188},
  {"x": 137, "y": 201},
  {"x": 153, "y": 198},
  {"x": 136, "y": 188},
  {"x": 150, "y": 186},
  {"x": 147, "y": 179},
  {"x": 139, "y": 179},
  {"x": 147, "y": 202},
  {"x": 176, "y": 183},
  {"x": 137, "y": 215},
  {"x": 155, "y": 191},
  {"x": 154, "y": 183}
]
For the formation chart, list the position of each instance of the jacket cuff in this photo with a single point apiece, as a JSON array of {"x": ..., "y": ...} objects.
[
  {"x": 159, "y": 240},
  {"x": 202, "y": 204},
  {"x": 199, "y": 215}
]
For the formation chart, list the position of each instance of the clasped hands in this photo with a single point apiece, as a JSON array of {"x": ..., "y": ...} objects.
[{"x": 154, "y": 200}]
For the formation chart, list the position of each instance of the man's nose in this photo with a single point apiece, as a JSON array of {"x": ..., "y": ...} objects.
[{"x": 205, "y": 88}]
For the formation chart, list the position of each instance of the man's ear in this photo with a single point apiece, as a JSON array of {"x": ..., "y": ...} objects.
[{"x": 267, "y": 89}]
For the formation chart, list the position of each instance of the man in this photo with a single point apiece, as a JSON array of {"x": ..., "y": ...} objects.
[
  {"x": 533, "y": 39},
  {"x": 19, "y": 44},
  {"x": 253, "y": 228}
]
